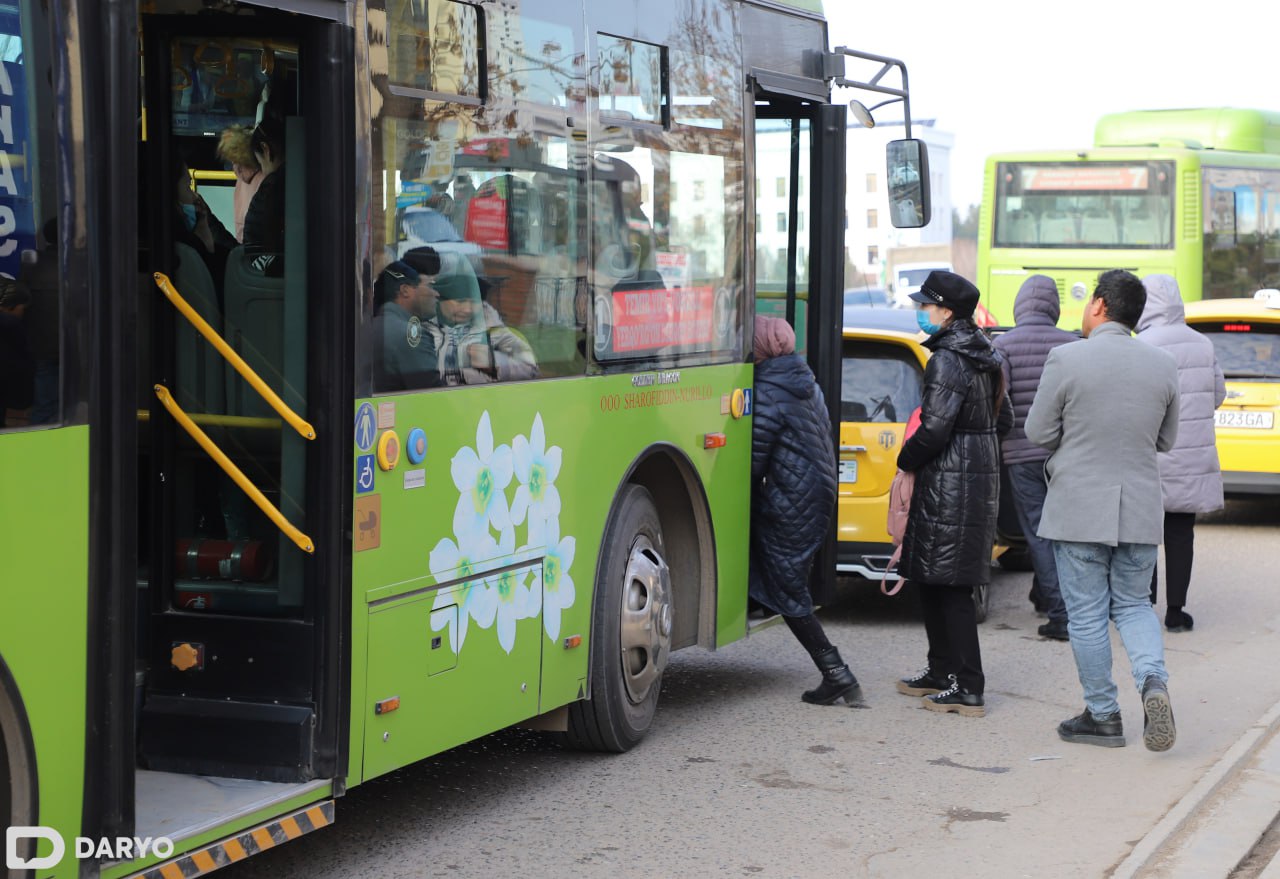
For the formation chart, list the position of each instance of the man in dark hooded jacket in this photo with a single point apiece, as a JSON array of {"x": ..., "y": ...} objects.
[
  {"x": 793, "y": 496},
  {"x": 1024, "y": 350}
]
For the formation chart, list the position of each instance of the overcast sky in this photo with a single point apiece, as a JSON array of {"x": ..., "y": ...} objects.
[{"x": 1002, "y": 75}]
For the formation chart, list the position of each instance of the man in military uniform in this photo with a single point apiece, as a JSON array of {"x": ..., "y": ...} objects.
[{"x": 407, "y": 360}]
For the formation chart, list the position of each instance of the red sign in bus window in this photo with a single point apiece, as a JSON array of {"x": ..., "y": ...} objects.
[
  {"x": 644, "y": 320},
  {"x": 1086, "y": 178},
  {"x": 487, "y": 222}
]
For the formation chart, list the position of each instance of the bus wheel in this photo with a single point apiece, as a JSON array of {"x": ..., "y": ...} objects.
[{"x": 631, "y": 630}]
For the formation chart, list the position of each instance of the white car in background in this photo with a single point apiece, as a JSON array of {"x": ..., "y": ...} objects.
[
  {"x": 907, "y": 278},
  {"x": 423, "y": 226}
]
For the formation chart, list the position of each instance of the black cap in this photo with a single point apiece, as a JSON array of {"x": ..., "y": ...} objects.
[
  {"x": 393, "y": 276},
  {"x": 950, "y": 291},
  {"x": 424, "y": 259}
]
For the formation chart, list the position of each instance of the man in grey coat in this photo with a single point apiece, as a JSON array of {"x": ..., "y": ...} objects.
[
  {"x": 1024, "y": 350},
  {"x": 1190, "y": 476},
  {"x": 1105, "y": 407}
]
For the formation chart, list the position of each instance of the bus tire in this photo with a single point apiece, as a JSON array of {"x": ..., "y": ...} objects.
[
  {"x": 631, "y": 631},
  {"x": 19, "y": 783}
]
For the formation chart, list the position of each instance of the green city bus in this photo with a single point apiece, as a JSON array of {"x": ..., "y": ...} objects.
[
  {"x": 273, "y": 527},
  {"x": 1190, "y": 193}
]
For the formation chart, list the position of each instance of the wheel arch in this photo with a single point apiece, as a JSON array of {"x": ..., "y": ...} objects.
[
  {"x": 19, "y": 778},
  {"x": 689, "y": 538}
]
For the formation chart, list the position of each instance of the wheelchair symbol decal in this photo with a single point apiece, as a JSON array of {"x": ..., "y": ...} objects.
[{"x": 364, "y": 473}]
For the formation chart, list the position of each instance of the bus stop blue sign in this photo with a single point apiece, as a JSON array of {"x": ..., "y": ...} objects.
[{"x": 366, "y": 427}]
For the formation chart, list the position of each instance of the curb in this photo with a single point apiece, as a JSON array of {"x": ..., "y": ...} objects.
[{"x": 1213, "y": 781}]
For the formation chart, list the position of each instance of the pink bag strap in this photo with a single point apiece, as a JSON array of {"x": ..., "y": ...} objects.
[{"x": 884, "y": 581}]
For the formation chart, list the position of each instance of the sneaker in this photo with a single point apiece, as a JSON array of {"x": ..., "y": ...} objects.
[
  {"x": 924, "y": 683},
  {"x": 1158, "y": 731},
  {"x": 955, "y": 699},
  {"x": 1179, "y": 621},
  {"x": 1107, "y": 732},
  {"x": 1055, "y": 631}
]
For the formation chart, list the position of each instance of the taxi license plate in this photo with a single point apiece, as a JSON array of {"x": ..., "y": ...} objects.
[
  {"x": 848, "y": 471},
  {"x": 1241, "y": 418}
]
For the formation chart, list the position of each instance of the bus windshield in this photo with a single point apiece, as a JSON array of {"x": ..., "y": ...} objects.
[{"x": 1084, "y": 204}]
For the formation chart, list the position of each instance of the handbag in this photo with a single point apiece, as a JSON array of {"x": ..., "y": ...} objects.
[{"x": 900, "y": 491}]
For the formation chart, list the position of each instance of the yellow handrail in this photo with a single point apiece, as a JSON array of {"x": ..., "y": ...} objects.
[
  {"x": 303, "y": 542},
  {"x": 245, "y": 421},
  {"x": 304, "y": 429}
]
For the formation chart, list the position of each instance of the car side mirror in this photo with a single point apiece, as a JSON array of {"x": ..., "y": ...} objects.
[{"x": 907, "y": 162}]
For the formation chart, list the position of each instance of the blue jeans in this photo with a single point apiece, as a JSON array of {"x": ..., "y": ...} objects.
[
  {"x": 1101, "y": 582},
  {"x": 1029, "y": 487}
]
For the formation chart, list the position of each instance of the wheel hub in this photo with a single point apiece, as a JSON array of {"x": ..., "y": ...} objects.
[{"x": 646, "y": 619}]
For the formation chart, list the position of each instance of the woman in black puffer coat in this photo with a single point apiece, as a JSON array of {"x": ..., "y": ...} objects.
[
  {"x": 955, "y": 455},
  {"x": 793, "y": 496}
]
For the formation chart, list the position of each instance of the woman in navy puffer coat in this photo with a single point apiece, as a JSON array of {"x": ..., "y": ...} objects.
[{"x": 793, "y": 496}]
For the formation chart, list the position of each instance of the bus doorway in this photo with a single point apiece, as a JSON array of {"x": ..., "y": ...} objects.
[
  {"x": 246, "y": 260},
  {"x": 799, "y": 255}
]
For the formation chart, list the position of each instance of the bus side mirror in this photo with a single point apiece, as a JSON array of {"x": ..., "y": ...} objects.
[{"x": 907, "y": 162}]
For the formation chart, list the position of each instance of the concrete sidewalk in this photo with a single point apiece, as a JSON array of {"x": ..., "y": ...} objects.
[{"x": 1212, "y": 829}]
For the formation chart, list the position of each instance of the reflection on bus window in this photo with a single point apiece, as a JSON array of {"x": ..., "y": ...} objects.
[
  {"x": 30, "y": 310},
  {"x": 631, "y": 80},
  {"x": 496, "y": 198},
  {"x": 665, "y": 288},
  {"x": 434, "y": 45}
]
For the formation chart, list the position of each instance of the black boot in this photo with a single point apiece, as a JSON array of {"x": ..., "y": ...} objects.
[{"x": 837, "y": 681}]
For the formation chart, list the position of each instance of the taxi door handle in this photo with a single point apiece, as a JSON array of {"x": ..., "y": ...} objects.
[{"x": 853, "y": 448}]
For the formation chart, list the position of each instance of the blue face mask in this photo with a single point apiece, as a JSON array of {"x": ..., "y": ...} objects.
[
  {"x": 922, "y": 318},
  {"x": 189, "y": 215}
]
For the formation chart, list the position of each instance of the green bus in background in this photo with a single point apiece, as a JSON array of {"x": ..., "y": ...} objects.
[
  {"x": 1190, "y": 193},
  {"x": 250, "y": 560}
]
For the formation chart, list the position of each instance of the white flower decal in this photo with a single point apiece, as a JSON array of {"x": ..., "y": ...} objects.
[
  {"x": 557, "y": 585},
  {"x": 481, "y": 476},
  {"x": 475, "y": 599},
  {"x": 536, "y": 467},
  {"x": 511, "y": 592}
]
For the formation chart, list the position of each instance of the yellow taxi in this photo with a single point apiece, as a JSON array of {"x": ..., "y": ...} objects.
[
  {"x": 882, "y": 364},
  {"x": 1246, "y": 338},
  {"x": 882, "y": 381}
]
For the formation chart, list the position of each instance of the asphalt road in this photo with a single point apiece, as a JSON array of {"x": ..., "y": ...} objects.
[{"x": 739, "y": 778}]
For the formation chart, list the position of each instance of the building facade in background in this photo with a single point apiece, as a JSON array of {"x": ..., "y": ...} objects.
[{"x": 869, "y": 234}]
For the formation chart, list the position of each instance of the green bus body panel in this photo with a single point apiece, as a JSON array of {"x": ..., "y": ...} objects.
[
  {"x": 44, "y": 515},
  {"x": 1001, "y": 271},
  {"x": 1216, "y": 128},
  {"x": 487, "y": 549}
]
